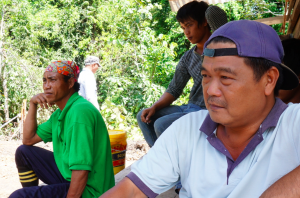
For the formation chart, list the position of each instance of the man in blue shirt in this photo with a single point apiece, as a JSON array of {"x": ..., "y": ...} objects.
[{"x": 246, "y": 144}]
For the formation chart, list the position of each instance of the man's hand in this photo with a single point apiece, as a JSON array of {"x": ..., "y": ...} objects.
[
  {"x": 41, "y": 100},
  {"x": 78, "y": 182},
  {"x": 29, "y": 131},
  {"x": 147, "y": 114},
  {"x": 165, "y": 100}
]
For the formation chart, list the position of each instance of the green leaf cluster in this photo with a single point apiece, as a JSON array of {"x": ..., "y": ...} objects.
[{"x": 139, "y": 43}]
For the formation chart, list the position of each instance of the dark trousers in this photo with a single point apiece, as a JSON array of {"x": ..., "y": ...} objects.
[{"x": 43, "y": 164}]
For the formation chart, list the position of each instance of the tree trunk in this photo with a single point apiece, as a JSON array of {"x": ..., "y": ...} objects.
[
  {"x": 1, "y": 39},
  {"x": 6, "y": 112}
]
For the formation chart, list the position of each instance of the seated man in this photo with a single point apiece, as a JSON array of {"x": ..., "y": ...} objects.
[
  {"x": 81, "y": 164},
  {"x": 155, "y": 120},
  {"x": 292, "y": 60},
  {"x": 246, "y": 139}
]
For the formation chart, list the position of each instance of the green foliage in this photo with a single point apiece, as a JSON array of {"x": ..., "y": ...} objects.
[{"x": 139, "y": 44}]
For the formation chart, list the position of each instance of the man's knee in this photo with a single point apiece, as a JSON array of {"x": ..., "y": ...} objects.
[
  {"x": 22, "y": 149},
  {"x": 20, "y": 152},
  {"x": 138, "y": 116},
  {"x": 160, "y": 126},
  {"x": 23, "y": 154}
]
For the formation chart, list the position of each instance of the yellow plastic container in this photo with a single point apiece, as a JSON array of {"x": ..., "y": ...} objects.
[{"x": 118, "y": 149}]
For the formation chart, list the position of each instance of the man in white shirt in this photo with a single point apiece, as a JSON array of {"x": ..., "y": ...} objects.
[
  {"x": 246, "y": 144},
  {"x": 87, "y": 81}
]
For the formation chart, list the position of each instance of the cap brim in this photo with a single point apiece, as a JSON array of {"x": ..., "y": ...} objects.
[{"x": 290, "y": 79}]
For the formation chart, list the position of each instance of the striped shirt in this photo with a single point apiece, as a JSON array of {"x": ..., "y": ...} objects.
[
  {"x": 190, "y": 63},
  {"x": 188, "y": 66}
]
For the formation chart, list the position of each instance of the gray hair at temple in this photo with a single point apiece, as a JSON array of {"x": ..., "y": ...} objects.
[
  {"x": 91, "y": 60},
  {"x": 215, "y": 17}
]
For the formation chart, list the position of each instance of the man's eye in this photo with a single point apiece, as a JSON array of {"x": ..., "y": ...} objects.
[
  {"x": 225, "y": 77},
  {"x": 204, "y": 75}
]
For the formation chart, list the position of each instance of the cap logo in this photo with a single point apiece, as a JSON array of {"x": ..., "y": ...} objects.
[
  {"x": 220, "y": 52},
  {"x": 209, "y": 52}
]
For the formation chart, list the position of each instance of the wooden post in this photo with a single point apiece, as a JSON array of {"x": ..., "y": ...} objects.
[
  {"x": 291, "y": 5},
  {"x": 6, "y": 110},
  {"x": 282, "y": 29},
  {"x": 294, "y": 17},
  {"x": 1, "y": 38}
]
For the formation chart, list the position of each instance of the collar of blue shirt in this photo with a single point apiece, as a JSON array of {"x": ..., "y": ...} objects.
[{"x": 209, "y": 126}]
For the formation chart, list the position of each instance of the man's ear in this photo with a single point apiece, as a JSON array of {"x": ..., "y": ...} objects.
[
  {"x": 271, "y": 76},
  {"x": 71, "y": 83},
  {"x": 204, "y": 24}
]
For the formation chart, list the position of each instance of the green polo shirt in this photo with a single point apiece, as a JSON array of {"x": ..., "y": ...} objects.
[{"x": 80, "y": 142}]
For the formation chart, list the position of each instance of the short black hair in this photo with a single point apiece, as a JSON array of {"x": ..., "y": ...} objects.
[
  {"x": 195, "y": 10},
  {"x": 292, "y": 54},
  {"x": 259, "y": 65},
  {"x": 76, "y": 84}
]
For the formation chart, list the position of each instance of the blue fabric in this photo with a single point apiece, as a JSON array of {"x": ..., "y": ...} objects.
[
  {"x": 42, "y": 162},
  {"x": 162, "y": 119},
  {"x": 185, "y": 153},
  {"x": 54, "y": 190}
]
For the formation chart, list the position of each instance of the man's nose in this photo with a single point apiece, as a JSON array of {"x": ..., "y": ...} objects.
[
  {"x": 187, "y": 32},
  {"x": 214, "y": 88},
  {"x": 46, "y": 85}
]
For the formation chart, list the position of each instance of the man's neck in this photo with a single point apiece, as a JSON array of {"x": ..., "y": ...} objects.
[
  {"x": 236, "y": 138},
  {"x": 200, "y": 45},
  {"x": 62, "y": 103},
  {"x": 89, "y": 68}
]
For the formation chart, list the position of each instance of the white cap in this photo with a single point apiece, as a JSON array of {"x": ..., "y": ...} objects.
[{"x": 91, "y": 60}]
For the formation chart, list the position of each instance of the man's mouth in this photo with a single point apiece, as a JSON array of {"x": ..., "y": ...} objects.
[
  {"x": 190, "y": 38},
  {"x": 214, "y": 106}
]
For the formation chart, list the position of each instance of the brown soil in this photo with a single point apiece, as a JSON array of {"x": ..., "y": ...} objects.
[{"x": 9, "y": 181}]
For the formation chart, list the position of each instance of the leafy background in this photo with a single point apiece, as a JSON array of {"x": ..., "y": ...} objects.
[{"x": 139, "y": 43}]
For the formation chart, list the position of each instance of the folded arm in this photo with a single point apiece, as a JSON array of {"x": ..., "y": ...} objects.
[
  {"x": 78, "y": 182},
  {"x": 125, "y": 189},
  {"x": 287, "y": 186},
  {"x": 30, "y": 136}
]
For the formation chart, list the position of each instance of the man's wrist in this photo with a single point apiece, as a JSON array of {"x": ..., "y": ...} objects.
[
  {"x": 154, "y": 106},
  {"x": 31, "y": 103}
]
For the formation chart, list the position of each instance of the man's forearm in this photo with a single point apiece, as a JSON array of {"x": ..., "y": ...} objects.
[
  {"x": 287, "y": 186},
  {"x": 125, "y": 189},
  {"x": 165, "y": 100},
  {"x": 30, "y": 124},
  {"x": 78, "y": 182}
]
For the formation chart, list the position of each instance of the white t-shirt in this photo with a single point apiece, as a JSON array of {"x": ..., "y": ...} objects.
[
  {"x": 190, "y": 152},
  {"x": 88, "y": 87}
]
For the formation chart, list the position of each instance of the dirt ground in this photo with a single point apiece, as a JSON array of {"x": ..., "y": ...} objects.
[{"x": 9, "y": 181}]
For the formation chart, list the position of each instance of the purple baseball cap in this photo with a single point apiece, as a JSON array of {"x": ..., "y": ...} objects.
[{"x": 253, "y": 39}]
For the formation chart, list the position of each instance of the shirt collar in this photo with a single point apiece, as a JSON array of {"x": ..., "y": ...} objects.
[
  {"x": 70, "y": 102},
  {"x": 209, "y": 126}
]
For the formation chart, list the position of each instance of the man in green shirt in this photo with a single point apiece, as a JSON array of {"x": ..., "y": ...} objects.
[{"x": 81, "y": 164}]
